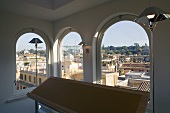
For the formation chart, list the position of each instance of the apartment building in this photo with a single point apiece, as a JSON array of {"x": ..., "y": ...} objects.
[
  {"x": 136, "y": 67},
  {"x": 28, "y": 79}
]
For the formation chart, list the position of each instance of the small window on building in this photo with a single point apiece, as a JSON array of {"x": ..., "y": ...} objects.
[
  {"x": 21, "y": 76},
  {"x": 40, "y": 81},
  {"x": 25, "y": 78},
  {"x": 34, "y": 80},
  {"x": 29, "y": 78},
  {"x": 20, "y": 86}
]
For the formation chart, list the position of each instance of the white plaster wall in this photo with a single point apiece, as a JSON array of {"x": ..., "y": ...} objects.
[
  {"x": 86, "y": 22},
  {"x": 162, "y": 67},
  {"x": 9, "y": 26}
]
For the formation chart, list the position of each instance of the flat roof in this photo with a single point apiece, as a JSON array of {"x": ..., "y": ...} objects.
[{"x": 134, "y": 73}]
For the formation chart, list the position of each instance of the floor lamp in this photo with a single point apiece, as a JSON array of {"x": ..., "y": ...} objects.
[
  {"x": 151, "y": 16},
  {"x": 36, "y": 41}
]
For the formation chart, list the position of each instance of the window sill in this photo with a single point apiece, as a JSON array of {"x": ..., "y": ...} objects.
[
  {"x": 16, "y": 98},
  {"x": 19, "y": 94}
]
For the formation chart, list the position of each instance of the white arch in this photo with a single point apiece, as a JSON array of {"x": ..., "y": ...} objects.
[
  {"x": 98, "y": 38},
  {"x": 57, "y": 51},
  {"x": 48, "y": 51}
]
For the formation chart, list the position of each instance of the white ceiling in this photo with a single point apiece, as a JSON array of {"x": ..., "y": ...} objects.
[{"x": 48, "y": 9}]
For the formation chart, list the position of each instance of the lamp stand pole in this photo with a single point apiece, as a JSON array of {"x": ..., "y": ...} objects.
[
  {"x": 36, "y": 41},
  {"x": 36, "y": 65},
  {"x": 36, "y": 103},
  {"x": 151, "y": 27}
]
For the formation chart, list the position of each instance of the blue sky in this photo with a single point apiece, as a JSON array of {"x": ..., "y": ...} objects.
[
  {"x": 124, "y": 33},
  {"x": 71, "y": 39},
  {"x": 23, "y": 42}
]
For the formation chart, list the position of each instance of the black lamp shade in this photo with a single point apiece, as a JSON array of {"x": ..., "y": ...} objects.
[
  {"x": 82, "y": 43},
  {"x": 35, "y": 40}
]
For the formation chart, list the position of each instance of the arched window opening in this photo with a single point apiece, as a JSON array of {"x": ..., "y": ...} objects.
[
  {"x": 124, "y": 53},
  {"x": 30, "y": 61},
  {"x": 72, "y": 57}
]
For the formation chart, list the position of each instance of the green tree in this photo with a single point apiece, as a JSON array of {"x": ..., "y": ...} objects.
[
  {"x": 129, "y": 53},
  {"x": 102, "y": 51},
  {"x": 125, "y": 48},
  {"x": 117, "y": 52},
  {"x": 103, "y": 46},
  {"x": 136, "y": 46},
  {"x": 110, "y": 52},
  {"x": 41, "y": 52},
  {"x": 32, "y": 51},
  {"x": 123, "y": 52},
  {"x": 140, "y": 50},
  {"x": 121, "y": 72}
]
